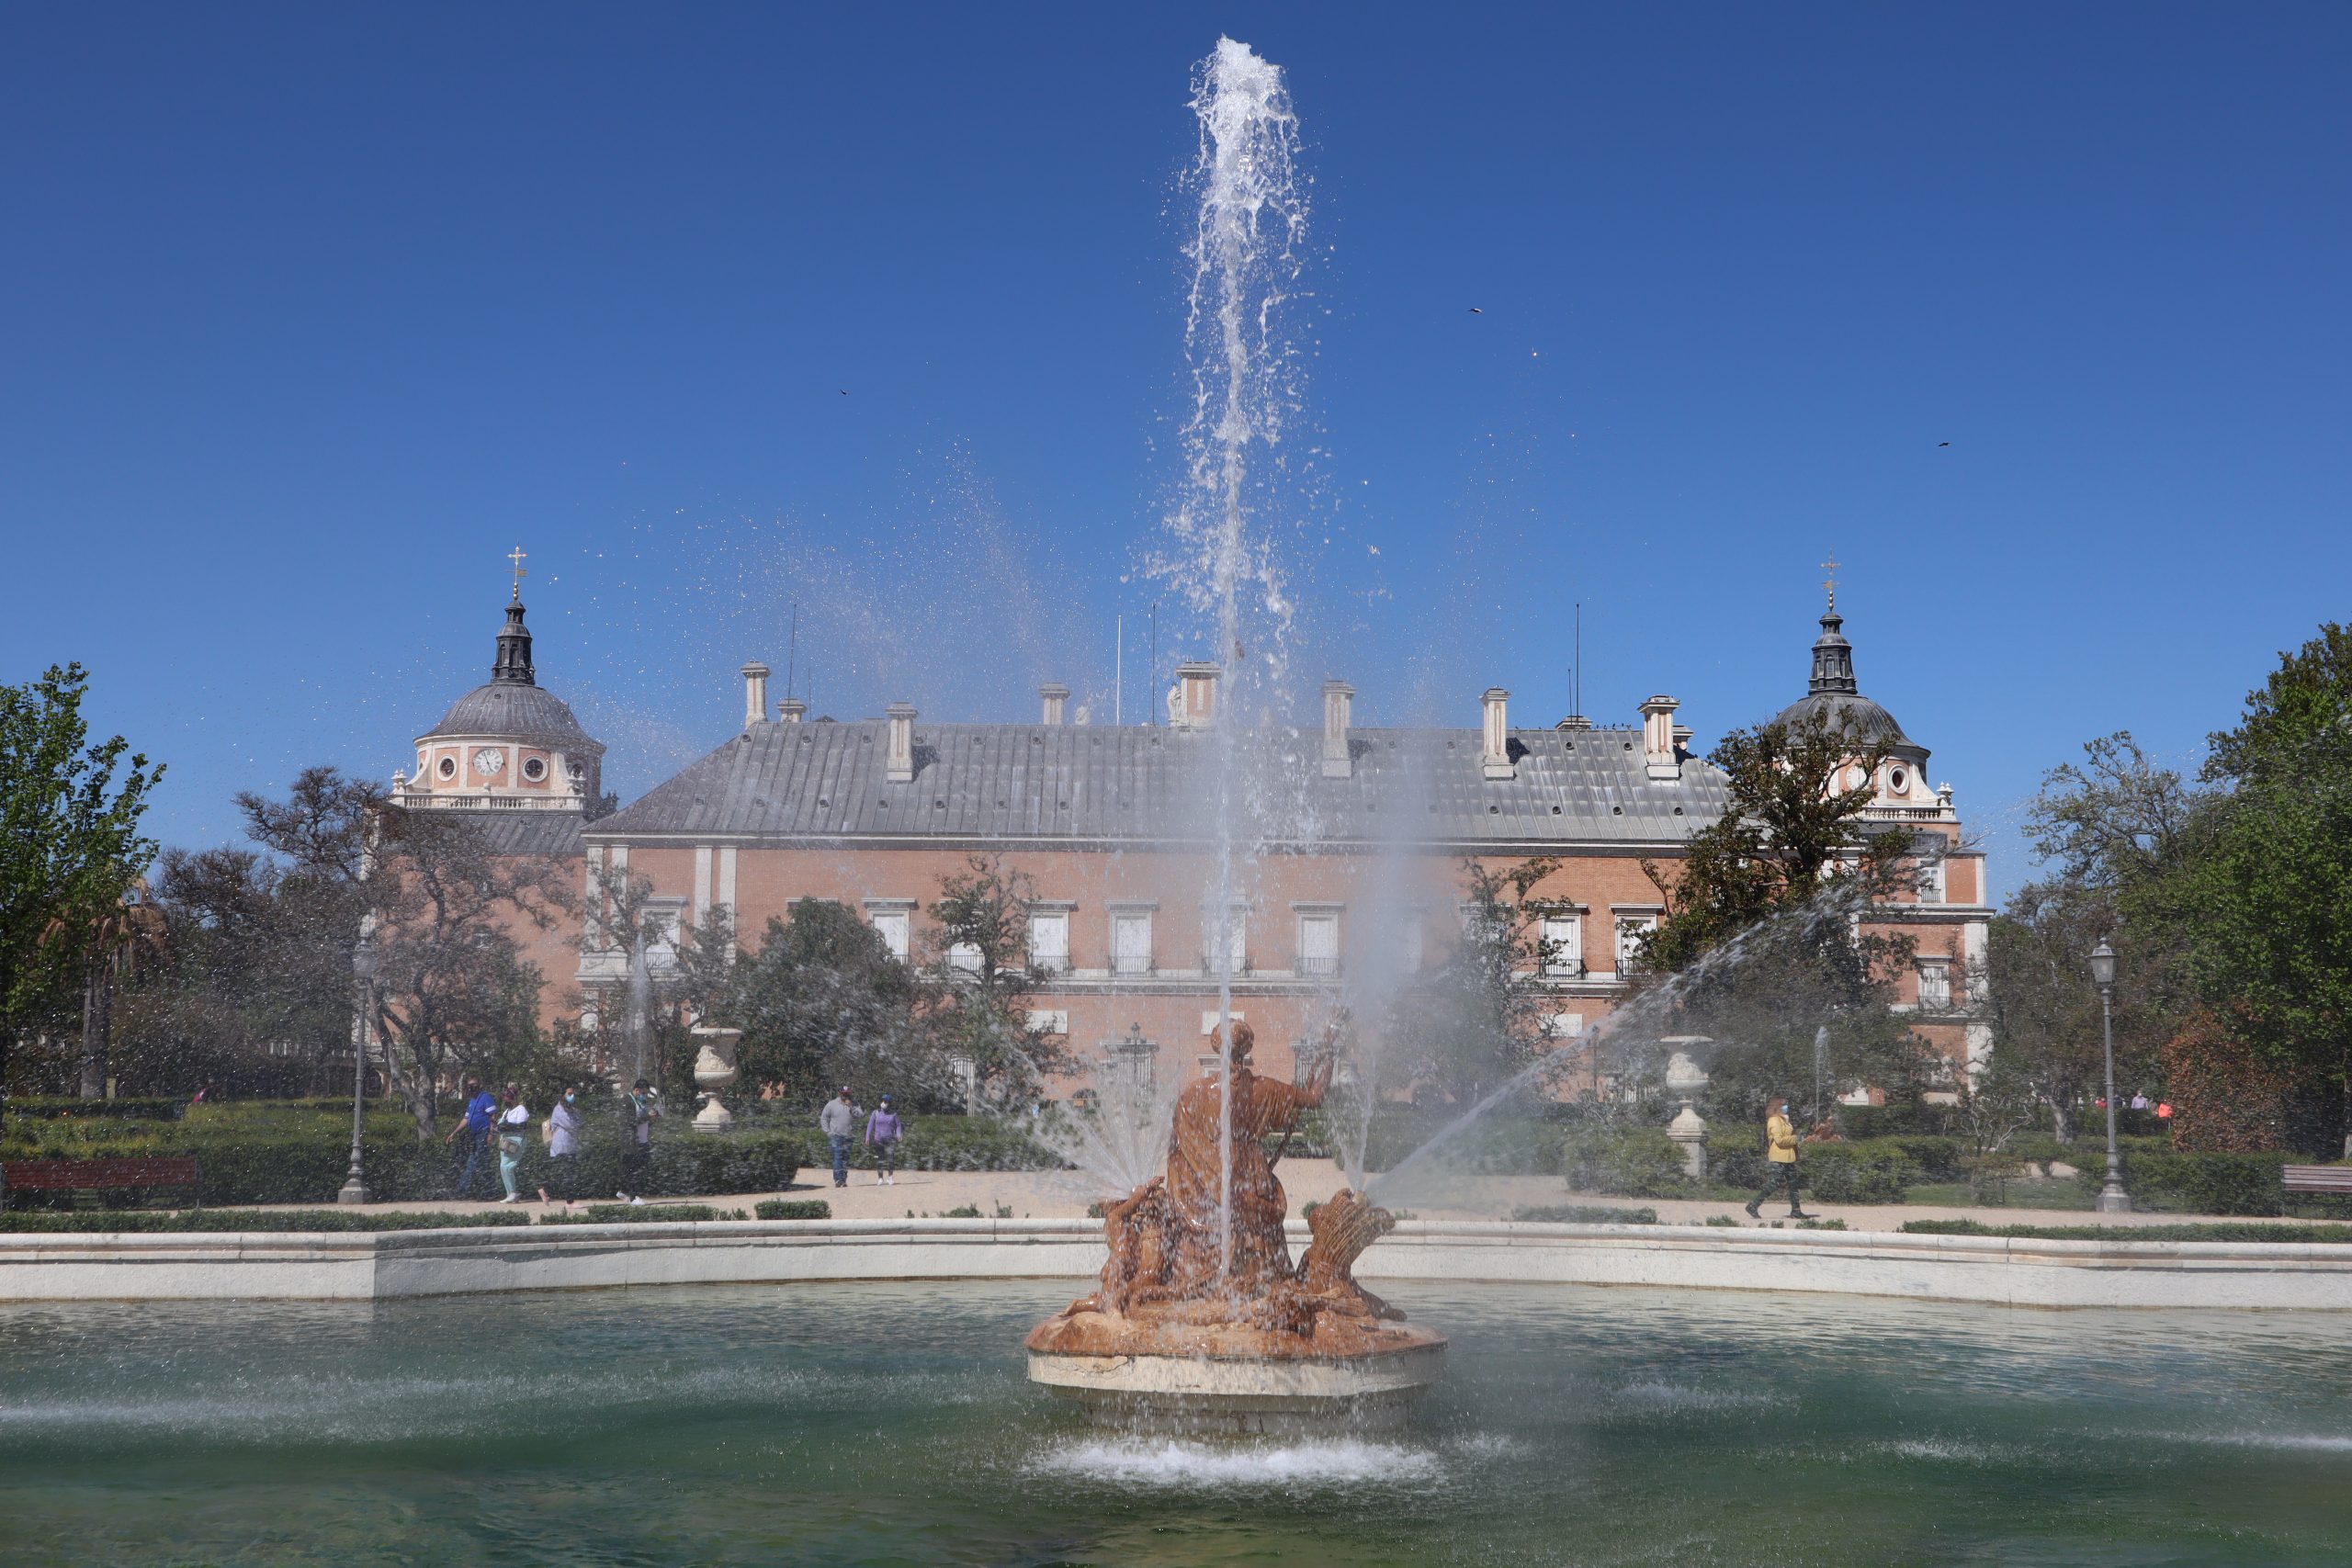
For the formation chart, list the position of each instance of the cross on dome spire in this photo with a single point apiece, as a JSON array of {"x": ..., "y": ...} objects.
[
  {"x": 1830, "y": 583},
  {"x": 518, "y": 556}
]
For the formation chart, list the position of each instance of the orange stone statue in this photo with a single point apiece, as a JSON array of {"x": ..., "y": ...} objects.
[{"x": 1191, "y": 1275}]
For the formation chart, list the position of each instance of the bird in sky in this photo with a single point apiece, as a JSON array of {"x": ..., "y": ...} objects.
[
  {"x": 1943, "y": 442},
  {"x": 1475, "y": 311}
]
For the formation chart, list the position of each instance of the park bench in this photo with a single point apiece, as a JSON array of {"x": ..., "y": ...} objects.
[
  {"x": 86, "y": 1179},
  {"x": 2333, "y": 1180}
]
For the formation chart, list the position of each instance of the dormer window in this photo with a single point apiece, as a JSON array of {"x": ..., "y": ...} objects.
[
  {"x": 447, "y": 768},
  {"x": 534, "y": 769},
  {"x": 1898, "y": 780}
]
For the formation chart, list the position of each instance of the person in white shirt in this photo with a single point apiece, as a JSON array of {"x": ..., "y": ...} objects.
[{"x": 512, "y": 1131}]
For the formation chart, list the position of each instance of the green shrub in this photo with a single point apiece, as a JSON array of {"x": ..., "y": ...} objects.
[
  {"x": 1857, "y": 1173},
  {"x": 2331, "y": 1234},
  {"x": 1628, "y": 1162},
  {"x": 2164, "y": 1178},
  {"x": 793, "y": 1209},
  {"x": 142, "y": 1220},
  {"x": 642, "y": 1215},
  {"x": 59, "y": 1108},
  {"x": 1583, "y": 1215}
]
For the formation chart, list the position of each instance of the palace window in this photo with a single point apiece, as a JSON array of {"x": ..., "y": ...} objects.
[
  {"x": 1563, "y": 944},
  {"x": 1931, "y": 882},
  {"x": 1318, "y": 941},
  {"x": 893, "y": 920},
  {"x": 966, "y": 958},
  {"x": 1049, "y": 941},
  {"x": 1232, "y": 955},
  {"x": 1631, "y": 930},
  {"x": 1131, "y": 941},
  {"x": 1935, "y": 983}
]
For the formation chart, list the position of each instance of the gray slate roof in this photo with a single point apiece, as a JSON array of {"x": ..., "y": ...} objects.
[
  {"x": 538, "y": 832},
  {"x": 508, "y": 708},
  {"x": 1082, "y": 784},
  {"x": 1854, "y": 716}
]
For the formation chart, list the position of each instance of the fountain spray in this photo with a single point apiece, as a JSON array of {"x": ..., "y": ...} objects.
[{"x": 1245, "y": 250}]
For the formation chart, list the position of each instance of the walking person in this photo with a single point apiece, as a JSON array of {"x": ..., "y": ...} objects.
[
  {"x": 1781, "y": 1148},
  {"x": 838, "y": 1123},
  {"x": 883, "y": 1132},
  {"x": 514, "y": 1137},
  {"x": 564, "y": 1149},
  {"x": 481, "y": 1109},
  {"x": 640, "y": 1109}
]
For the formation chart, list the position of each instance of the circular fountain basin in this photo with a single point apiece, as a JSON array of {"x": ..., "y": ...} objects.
[{"x": 1192, "y": 1382}]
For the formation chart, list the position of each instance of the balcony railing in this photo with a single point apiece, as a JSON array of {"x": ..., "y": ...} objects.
[{"x": 1318, "y": 964}]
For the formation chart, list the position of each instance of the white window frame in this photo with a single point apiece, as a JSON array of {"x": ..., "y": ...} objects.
[
  {"x": 1634, "y": 923},
  {"x": 1324, "y": 921},
  {"x": 1933, "y": 887},
  {"x": 893, "y": 917},
  {"x": 1042, "y": 958},
  {"x": 1567, "y": 959},
  {"x": 1123, "y": 961},
  {"x": 1935, "y": 984}
]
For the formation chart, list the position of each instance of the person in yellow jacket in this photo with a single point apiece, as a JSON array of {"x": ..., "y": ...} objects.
[{"x": 1781, "y": 1148}]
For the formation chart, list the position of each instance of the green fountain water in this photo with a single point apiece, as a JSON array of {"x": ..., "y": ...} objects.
[{"x": 875, "y": 1424}]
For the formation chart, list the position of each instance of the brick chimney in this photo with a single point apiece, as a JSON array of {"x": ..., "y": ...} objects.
[
  {"x": 792, "y": 710},
  {"x": 900, "y": 765},
  {"x": 1658, "y": 738},
  {"x": 1338, "y": 709},
  {"x": 1054, "y": 697},
  {"x": 1195, "y": 695},
  {"x": 1496, "y": 751},
  {"x": 755, "y": 694}
]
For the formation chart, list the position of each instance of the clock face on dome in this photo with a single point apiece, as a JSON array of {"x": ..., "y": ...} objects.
[{"x": 487, "y": 760}]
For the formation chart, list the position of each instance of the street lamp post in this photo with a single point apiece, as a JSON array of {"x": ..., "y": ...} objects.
[
  {"x": 2112, "y": 1198},
  {"x": 362, "y": 968}
]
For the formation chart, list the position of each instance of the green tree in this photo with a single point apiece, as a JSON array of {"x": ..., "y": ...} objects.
[
  {"x": 70, "y": 844},
  {"x": 454, "y": 992},
  {"x": 821, "y": 1002},
  {"x": 1478, "y": 1022},
  {"x": 2044, "y": 1010},
  {"x": 979, "y": 964},
  {"x": 1759, "y": 948},
  {"x": 2271, "y": 940}
]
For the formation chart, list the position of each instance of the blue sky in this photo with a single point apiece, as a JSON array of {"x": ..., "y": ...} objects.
[{"x": 313, "y": 313}]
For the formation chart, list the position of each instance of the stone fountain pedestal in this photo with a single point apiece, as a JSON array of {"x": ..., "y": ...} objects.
[{"x": 1225, "y": 1380}]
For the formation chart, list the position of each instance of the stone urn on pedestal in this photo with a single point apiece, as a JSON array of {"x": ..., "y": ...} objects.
[
  {"x": 1685, "y": 1081},
  {"x": 715, "y": 1070}
]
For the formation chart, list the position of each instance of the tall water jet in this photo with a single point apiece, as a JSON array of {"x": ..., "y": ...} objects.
[
  {"x": 1245, "y": 252},
  {"x": 1200, "y": 1321}
]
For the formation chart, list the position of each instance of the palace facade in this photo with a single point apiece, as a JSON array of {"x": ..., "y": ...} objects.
[{"x": 1356, "y": 845}]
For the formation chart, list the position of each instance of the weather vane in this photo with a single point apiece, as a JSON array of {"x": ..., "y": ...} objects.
[
  {"x": 517, "y": 556},
  {"x": 1830, "y": 583}
]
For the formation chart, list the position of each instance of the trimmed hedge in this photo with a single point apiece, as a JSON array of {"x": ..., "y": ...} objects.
[
  {"x": 1628, "y": 1162},
  {"x": 642, "y": 1215},
  {"x": 238, "y": 1164},
  {"x": 257, "y": 1219},
  {"x": 793, "y": 1209},
  {"x": 2160, "y": 1176},
  {"x": 1583, "y": 1215},
  {"x": 2331, "y": 1234},
  {"x": 61, "y": 1108}
]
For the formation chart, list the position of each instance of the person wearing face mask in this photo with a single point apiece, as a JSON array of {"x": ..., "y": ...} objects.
[
  {"x": 1780, "y": 1149},
  {"x": 564, "y": 1149}
]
